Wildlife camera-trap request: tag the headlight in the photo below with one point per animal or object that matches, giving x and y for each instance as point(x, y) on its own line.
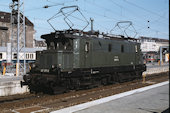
point(33, 65)
point(59, 65)
point(52, 66)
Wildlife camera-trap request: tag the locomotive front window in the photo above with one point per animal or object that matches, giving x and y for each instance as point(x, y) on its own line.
point(60, 43)
point(64, 45)
point(52, 45)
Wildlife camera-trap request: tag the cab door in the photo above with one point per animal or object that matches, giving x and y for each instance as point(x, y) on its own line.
point(87, 54)
point(137, 55)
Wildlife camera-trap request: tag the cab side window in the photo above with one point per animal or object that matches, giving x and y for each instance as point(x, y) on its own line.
point(122, 48)
point(87, 47)
point(110, 47)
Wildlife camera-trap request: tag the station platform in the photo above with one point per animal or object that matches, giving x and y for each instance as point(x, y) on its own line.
point(150, 99)
point(10, 85)
point(10, 78)
point(155, 65)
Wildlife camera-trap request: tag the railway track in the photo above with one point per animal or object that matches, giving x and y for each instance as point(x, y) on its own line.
point(54, 102)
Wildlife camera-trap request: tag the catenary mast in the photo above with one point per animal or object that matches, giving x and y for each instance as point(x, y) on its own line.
point(18, 35)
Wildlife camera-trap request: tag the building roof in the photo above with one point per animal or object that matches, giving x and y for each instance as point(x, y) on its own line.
point(40, 43)
point(27, 50)
point(156, 39)
point(5, 17)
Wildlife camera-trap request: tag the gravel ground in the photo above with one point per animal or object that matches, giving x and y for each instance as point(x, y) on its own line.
point(33, 102)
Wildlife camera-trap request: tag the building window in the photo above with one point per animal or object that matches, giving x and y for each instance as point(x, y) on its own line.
point(31, 56)
point(0, 55)
point(110, 47)
point(122, 48)
point(15, 56)
point(26, 56)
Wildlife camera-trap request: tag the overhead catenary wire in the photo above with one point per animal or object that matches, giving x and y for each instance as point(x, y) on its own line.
point(105, 15)
point(105, 9)
point(42, 7)
point(64, 2)
point(4, 4)
point(132, 12)
point(142, 27)
point(116, 20)
point(119, 14)
point(151, 12)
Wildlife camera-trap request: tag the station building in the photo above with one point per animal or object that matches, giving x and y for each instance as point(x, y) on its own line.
point(31, 44)
point(151, 48)
point(40, 44)
point(5, 30)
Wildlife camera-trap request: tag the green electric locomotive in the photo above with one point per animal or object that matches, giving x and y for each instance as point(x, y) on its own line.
point(75, 60)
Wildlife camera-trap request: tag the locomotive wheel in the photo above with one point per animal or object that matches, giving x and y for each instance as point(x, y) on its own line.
point(77, 86)
point(109, 79)
point(59, 90)
point(104, 81)
point(120, 77)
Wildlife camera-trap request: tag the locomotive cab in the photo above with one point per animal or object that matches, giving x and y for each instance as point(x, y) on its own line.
point(58, 56)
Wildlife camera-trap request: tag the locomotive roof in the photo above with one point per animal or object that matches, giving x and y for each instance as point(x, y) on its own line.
point(79, 34)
